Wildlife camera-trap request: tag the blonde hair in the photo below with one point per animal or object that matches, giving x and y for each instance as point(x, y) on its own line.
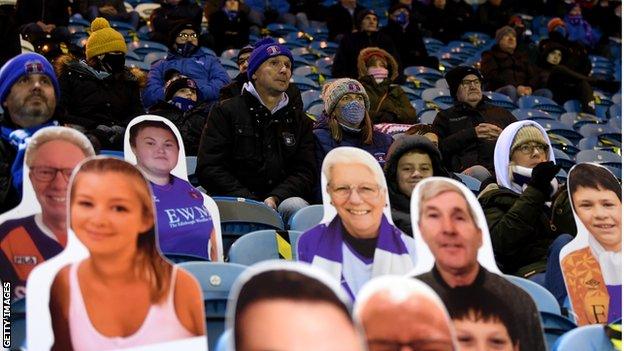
point(45, 135)
point(149, 264)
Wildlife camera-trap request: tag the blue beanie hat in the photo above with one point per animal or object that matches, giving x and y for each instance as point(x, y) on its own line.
point(27, 63)
point(264, 50)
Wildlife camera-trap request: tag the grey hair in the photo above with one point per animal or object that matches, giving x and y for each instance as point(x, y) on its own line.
point(45, 135)
point(352, 155)
point(436, 187)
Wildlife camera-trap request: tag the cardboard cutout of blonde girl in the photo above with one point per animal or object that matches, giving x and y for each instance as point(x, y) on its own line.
point(188, 220)
point(112, 214)
point(592, 263)
point(356, 240)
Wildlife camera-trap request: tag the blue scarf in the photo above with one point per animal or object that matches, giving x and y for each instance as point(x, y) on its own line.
point(19, 138)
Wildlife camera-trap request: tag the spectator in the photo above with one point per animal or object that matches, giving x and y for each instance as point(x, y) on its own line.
point(346, 122)
point(410, 159)
point(468, 130)
point(112, 10)
point(517, 209)
point(493, 14)
point(187, 58)
point(51, 155)
point(341, 19)
point(579, 30)
point(378, 71)
point(406, 35)
point(100, 94)
point(449, 226)
point(180, 107)
point(29, 93)
point(170, 13)
point(229, 27)
point(38, 18)
point(507, 70)
point(236, 87)
point(577, 58)
point(447, 21)
point(264, 12)
point(258, 145)
point(359, 243)
point(10, 34)
point(346, 59)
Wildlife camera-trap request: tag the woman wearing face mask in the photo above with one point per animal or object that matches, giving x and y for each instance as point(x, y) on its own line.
point(389, 103)
point(100, 94)
point(345, 121)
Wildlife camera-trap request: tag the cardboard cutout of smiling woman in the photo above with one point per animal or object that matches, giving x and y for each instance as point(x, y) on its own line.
point(592, 262)
point(36, 230)
point(111, 213)
point(456, 260)
point(356, 240)
point(284, 305)
point(188, 220)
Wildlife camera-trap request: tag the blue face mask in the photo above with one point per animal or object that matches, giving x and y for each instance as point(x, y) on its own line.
point(401, 18)
point(575, 19)
point(186, 49)
point(183, 104)
point(353, 112)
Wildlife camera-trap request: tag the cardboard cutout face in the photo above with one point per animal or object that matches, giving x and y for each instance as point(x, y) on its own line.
point(308, 306)
point(357, 228)
point(188, 220)
point(111, 214)
point(592, 262)
point(35, 230)
point(388, 301)
point(460, 242)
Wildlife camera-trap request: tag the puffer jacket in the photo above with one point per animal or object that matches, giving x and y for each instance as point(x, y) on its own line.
point(245, 151)
point(202, 67)
point(389, 103)
point(501, 68)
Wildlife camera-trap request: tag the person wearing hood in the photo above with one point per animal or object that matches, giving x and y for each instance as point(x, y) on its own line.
point(186, 57)
point(170, 13)
point(100, 94)
point(346, 121)
point(579, 30)
point(378, 70)
point(411, 158)
point(368, 35)
point(468, 130)
point(517, 208)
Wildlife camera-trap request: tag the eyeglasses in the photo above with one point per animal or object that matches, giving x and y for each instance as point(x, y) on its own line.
point(387, 345)
point(365, 191)
point(528, 149)
point(187, 35)
point(47, 174)
point(468, 82)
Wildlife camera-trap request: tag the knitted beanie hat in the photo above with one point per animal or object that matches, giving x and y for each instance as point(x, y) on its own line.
point(359, 17)
point(457, 74)
point(506, 30)
point(525, 135)
point(333, 91)
point(244, 50)
point(104, 39)
point(177, 83)
point(23, 64)
point(264, 50)
point(554, 23)
point(177, 28)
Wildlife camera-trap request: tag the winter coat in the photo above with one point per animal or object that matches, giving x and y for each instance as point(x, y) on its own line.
point(228, 33)
point(234, 89)
point(345, 61)
point(400, 203)
point(459, 144)
point(501, 68)
point(450, 23)
point(166, 17)
point(340, 22)
point(389, 103)
point(409, 43)
point(189, 123)
point(247, 152)
point(202, 67)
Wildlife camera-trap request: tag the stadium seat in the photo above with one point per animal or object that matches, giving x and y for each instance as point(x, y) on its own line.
point(500, 100)
point(241, 216)
point(540, 103)
point(615, 111)
point(544, 300)
point(132, 56)
point(304, 83)
point(428, 116)
point(79, 21)
point(476, 38)
point(310, 97)
point(576, 120)
point(18, 324)
point(561, 143)
point(527, 113)
point(264, 245)
point(281, 29)
point(312, 72)
point(230, 54)
point(441, 83)
point(432, 93)
point(572, 106)
point(563, 159)
point(145, 10)
point(216, 280)
point(324, 62)
point(617, 172)
point(144, 47)
point(306, 218)
point(223, 344)
point(120, 26)
point(588, 130)
point(600, 156)
point(112, 153)
point(229, 64)
point(316, 109)
point(585, 338)
point(326, 47)
point(471, 182)
point(154, 56)
point(423, 72)
point(554, 326)
point(138, 64)
point(411, 93)
point(176, 258)
point(555, 127)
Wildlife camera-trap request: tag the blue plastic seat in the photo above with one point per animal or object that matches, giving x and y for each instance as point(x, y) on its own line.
point(176, 257)
point(281, 29)
point(229, 64)
point(216, 280)
point(555, 127)
point(431, 94)
point(132, 56)
point(230, 54)
point(112, 153)
point(304, 53)
point(471, 183)
point(143, 47)
point(262, 245)
point(544, 300)
point(427, 73)
point(326, 47)
point(563, 159)
point(412, 93)
point(600, 156)
point(577, 120)
point(615, 111)
point(18, 324)
point(428, 116)
point(540, 103)
point(572, 106)
point(316, 109)
point(324, 62)
point(312, 72)
point(306, 218)
point(152, 57)
point(310, 97)
point(138, 64)
point(304, 83)
point(527, 113)
point(500, 100)
point(595, 129)
point(585, 338)
point(554, 326)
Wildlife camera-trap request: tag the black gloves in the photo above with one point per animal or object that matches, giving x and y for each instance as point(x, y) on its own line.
point(542, 175)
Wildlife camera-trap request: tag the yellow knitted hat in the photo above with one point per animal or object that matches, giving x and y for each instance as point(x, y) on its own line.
point(104, 39)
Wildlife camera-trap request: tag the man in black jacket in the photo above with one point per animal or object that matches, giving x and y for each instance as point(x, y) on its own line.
point(468, 130)
point(258, 145)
